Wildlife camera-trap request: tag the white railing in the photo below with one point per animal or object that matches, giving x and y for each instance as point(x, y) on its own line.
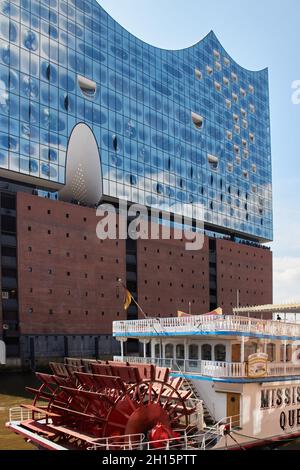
point(200, 441)
point(18, 414)
point(127, 442)
point(205, 324)
point(281, 368)
point(223, 369)
point(213, 368)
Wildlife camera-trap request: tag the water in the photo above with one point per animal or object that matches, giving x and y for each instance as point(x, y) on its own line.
point(12, 393)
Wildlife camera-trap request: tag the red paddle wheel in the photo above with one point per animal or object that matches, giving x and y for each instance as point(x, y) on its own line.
point(82, 402)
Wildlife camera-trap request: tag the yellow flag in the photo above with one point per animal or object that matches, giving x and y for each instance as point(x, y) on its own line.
point(127, 300)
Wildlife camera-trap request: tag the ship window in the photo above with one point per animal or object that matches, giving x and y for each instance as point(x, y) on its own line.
point(206, 352)
point(271, 348)
point(180, 354)
point(193, 355)
point(88, 87)
point(220, 353)
point(250, 348)
point(157, 350)
point(288, 352)
point(169, 351)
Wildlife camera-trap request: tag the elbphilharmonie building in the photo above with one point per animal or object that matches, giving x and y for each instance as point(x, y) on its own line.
point(90, 113)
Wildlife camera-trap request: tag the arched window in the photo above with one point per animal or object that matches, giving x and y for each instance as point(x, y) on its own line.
point(206, 352)
point(220, 353)
point(271, 350)
point(157, 350)
point(169, 351)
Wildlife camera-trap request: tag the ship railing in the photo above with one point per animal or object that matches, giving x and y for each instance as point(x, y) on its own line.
point(185, 440)
point(205, 368)
point(283, 368)
point(223, 369)
point(18, 414)
point(213, 368)
point(126, 442)
point(204, 323)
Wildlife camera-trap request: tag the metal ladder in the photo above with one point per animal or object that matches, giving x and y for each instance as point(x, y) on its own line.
point(188, 385)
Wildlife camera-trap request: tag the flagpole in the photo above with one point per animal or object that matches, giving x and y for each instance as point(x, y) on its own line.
point(133, 299)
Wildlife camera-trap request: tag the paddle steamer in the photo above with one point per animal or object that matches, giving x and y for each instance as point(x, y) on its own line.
point(201, 382)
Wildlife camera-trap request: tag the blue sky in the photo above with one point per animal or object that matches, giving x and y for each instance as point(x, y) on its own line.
point(257, 34)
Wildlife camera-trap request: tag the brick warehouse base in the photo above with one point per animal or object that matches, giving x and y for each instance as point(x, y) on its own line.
point(67, 289)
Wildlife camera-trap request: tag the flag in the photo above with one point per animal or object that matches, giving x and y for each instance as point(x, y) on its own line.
point(127, 299)
point(182, 314)
point(218, 311)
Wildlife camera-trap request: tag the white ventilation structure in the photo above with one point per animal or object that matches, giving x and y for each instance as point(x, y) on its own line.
point(83, 168)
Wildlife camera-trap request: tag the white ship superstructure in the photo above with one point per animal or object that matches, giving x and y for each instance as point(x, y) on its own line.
point(245, 370)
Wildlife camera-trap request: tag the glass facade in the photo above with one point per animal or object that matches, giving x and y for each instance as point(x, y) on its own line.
point(175, 129)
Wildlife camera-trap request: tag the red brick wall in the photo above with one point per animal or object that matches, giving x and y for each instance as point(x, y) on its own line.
point(169, 277)
point(88, 260)
point(246, 268)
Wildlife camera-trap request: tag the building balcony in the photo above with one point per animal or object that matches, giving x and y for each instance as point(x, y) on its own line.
point(206, 325)
point(214, 369)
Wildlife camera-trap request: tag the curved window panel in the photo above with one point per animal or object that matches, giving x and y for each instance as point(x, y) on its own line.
point(88, 87)
point(213, 162)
